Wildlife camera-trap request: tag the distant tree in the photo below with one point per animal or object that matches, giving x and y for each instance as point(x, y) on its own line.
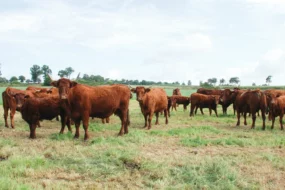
point(13, 79)
point(28, 81)
point(212, 81)
point(234, 80)
point(189, 83)
point(222, 81)
point(46, 71)
point(183, 83)
point(62, 73)
point(36, 72)
point(268, 79)
point(253, 84)
point(3, 80)
point(205, 84)
point(69, 71)
point(39, 81)
point(22, 78)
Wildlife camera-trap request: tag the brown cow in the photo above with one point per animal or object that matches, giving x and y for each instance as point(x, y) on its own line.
point(35, 109)
point(203, 101)
point(209, 91)
point(176, 91)
point(176, 99)
point(250, 102)
point(9, 103)
point(151, 101)
point(82, 102)
point(277, 108)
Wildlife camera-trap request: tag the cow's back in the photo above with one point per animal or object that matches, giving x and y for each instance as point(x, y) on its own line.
point(157, 97)
point(100, 101)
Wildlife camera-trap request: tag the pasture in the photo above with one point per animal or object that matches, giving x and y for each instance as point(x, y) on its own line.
point(202, 152)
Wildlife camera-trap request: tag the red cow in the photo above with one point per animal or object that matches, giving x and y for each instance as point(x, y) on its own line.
point(151, 101)
point(35, 109)
point(176, 99)
point(250, 102)
point(203, 101)
point(277, 108)
point(82, 101)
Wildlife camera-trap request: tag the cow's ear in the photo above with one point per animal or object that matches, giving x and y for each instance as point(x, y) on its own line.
point(133, 90)
point(147, 89)
point(27, 96)
point(54, 83)
point(73, 84)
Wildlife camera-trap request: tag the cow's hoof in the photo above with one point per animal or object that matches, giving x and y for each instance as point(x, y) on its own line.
point(76, 136)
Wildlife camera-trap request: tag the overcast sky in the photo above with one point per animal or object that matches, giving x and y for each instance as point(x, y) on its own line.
point(160, 40)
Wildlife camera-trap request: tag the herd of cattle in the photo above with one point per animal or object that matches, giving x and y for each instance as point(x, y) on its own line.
point(75, 102)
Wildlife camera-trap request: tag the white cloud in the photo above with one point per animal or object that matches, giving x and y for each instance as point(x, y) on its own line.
point(270, 2)
point(273, 55)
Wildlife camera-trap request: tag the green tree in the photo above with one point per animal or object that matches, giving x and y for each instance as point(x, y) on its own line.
point(62, 73)
point(253, 84)
point(3, 80)
point(13, 79)
point(46, 71)
point(212, 81)
point(189, 83)
point(69, 71)
point(222, 81)
point(268, 79)
point(36, 72)
point(22, 78)
point(234, 80)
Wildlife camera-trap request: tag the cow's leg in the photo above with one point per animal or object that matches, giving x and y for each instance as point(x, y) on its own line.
point(145, 120)
point(149, 119)
point(127, 123)
point(238, 118)
point(6, 116)
point(196, 108)
point(85, 122)
point(12, 113)
point(68, 123)
point(192, 110)
point(201, 110)
point(281, 120)
point(77, 125)
point(57, 119)
point(263, 119)
point(184, 107)
point(253, 113)
point(103, 120)
point(234, 108)
point(244, 117)
point(215, 110)
point(108, 120)
point(166, 116)
point(33, 130)
point(39, 124)
point(156, 122)
point(210, 111)
point(273, 121)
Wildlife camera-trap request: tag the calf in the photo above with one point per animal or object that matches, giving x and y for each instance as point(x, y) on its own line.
point(151, 101)
point(47, 108)
point(176, 99)
point(203, 101)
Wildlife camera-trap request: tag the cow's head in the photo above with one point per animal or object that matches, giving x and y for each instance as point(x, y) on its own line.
point(20, 99)
point(64, 85)
point(140, 92)
point(216, 99)
point(227, 95)
point(271, 101)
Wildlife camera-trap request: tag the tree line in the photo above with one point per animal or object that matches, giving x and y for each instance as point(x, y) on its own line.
point(37, 72)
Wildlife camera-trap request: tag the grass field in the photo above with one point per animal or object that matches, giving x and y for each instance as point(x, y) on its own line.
point(203, 152)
